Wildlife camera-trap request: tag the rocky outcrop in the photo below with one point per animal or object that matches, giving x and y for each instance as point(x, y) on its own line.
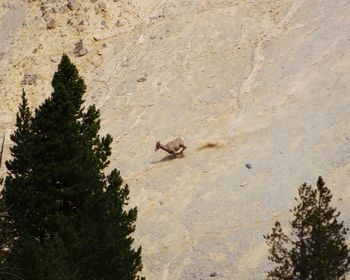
point(29, 79)
point(79, 49)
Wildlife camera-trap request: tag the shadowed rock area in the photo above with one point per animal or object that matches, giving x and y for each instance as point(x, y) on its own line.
point(260, 90)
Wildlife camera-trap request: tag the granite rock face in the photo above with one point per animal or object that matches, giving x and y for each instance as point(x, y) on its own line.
point(258, 83)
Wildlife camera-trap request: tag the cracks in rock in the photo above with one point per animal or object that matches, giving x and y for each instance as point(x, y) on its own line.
point(256, 65)
point(235, 123)
point(159, 10)
point(258, 52)
point(196, 9)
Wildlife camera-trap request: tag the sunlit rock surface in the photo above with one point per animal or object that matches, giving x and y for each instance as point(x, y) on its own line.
point(263, 84)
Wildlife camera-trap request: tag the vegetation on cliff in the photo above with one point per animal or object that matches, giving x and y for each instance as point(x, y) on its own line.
point(316, 247)
point(62, 217)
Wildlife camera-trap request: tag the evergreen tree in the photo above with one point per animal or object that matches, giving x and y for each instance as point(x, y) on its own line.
point(21, 138)
point(15, 180)
point(316, 248)
point(71, 223)
point(1, 154)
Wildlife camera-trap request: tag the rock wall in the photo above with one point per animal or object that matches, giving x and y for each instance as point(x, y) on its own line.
point(259, 90)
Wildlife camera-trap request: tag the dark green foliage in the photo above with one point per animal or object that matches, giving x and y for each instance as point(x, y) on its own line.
point(1, 154)
point(19, 166)
point(316, 248)
point(20, 138)
point(67, 216)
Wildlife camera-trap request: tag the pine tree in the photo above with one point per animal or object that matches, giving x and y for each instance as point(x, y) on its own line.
point(15, 181)
point(21, 138)
point(316, 248)
point(1, 155)
point(73, 224)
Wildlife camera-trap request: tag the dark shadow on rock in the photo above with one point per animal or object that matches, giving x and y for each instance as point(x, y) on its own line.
point(166, 158)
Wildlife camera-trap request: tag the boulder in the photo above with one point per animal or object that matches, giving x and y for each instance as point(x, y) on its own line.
point(73, 4)
point(79, 49)
point(29, 79)
point(102, 5)
point(51, 24)
point(121, 22)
